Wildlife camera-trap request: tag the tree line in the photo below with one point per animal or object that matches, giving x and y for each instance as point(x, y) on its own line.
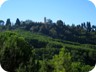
point(82, 33)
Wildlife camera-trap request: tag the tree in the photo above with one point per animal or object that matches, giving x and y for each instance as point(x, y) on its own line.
point(59, 22)
point(88, 26)
point(31, 66)
point(49, 21)
point(83, 25)
point(93, 28)
point(1, 22)
point(79, 67)
point(14, 50)
point(17, 22)
point(8, 24)
point(62, 62)
point(53, 32)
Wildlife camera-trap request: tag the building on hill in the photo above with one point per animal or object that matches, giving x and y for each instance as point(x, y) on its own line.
point(47, 21)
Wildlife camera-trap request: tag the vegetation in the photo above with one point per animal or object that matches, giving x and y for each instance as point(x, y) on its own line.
point(28, 46)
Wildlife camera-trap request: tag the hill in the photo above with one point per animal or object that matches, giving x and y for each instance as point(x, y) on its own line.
point(47, 47)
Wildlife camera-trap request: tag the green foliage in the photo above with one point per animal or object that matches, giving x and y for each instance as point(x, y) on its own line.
point(13, 50)
point(17, 22)
point(8, 24)
point(79, 67)
point(52, 47)
point(45, 66)
point(60, 23)
point(62, 62)
point(31, 66)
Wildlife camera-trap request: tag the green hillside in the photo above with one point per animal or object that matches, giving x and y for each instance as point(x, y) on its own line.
point(53, 47)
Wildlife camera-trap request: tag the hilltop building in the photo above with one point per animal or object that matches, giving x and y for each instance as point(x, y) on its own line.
point(47, 21)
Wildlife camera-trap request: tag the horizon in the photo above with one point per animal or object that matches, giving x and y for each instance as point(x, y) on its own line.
point(43, 21)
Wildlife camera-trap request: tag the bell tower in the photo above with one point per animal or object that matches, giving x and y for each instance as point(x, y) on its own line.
point(45, 20)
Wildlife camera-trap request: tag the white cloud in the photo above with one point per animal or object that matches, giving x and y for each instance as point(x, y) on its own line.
point(2, 2)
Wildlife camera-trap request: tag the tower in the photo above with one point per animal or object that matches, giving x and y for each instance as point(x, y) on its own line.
point(45, 20)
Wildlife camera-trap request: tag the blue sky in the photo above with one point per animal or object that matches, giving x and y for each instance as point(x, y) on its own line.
point(70, 11)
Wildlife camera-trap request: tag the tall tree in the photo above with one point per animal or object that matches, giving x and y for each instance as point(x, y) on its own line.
point(88, 26)
point(59, 22)
point(8, 24)
point(17, 22)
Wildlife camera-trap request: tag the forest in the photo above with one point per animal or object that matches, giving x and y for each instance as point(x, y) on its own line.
point(28, 46)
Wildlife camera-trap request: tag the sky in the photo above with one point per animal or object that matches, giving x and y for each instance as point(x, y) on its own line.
point(69, 11)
